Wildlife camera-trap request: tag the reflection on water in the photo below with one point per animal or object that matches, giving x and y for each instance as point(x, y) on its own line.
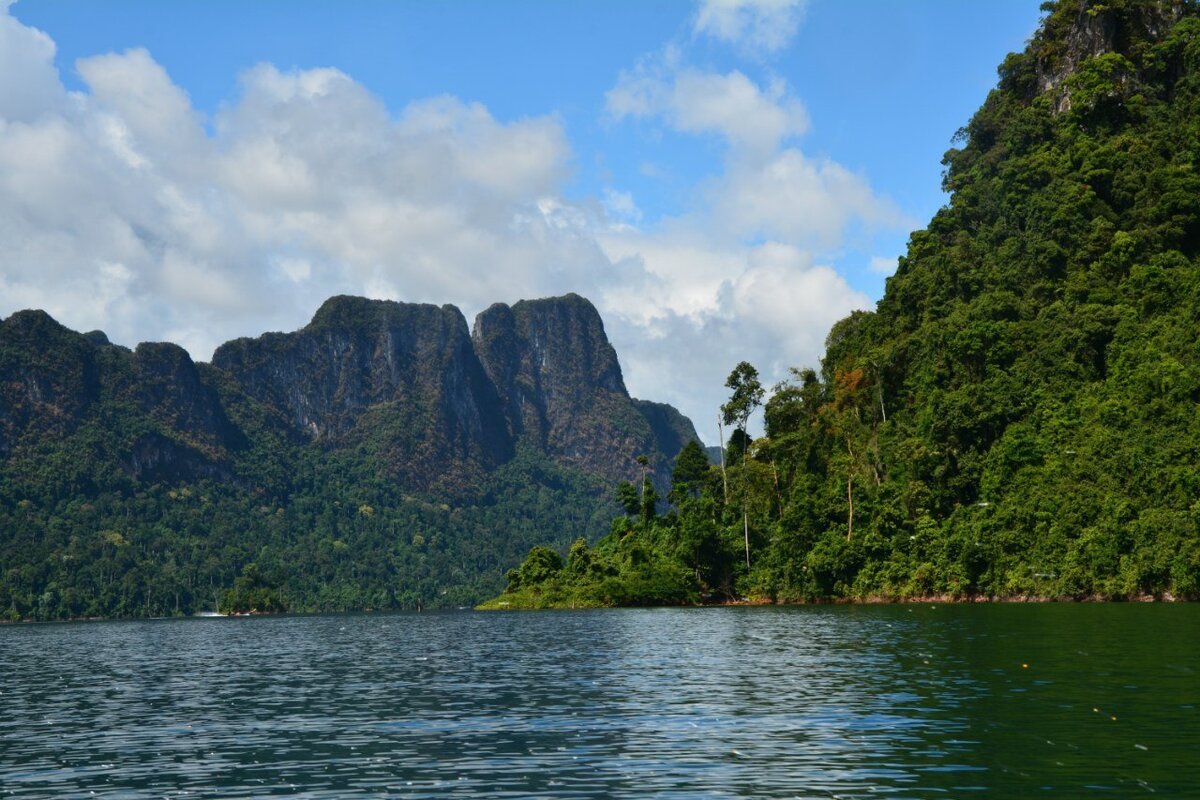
point(849, 702)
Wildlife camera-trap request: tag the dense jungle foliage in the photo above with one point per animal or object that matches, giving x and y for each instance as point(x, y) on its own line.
point(1019, 416)
point(302, 529)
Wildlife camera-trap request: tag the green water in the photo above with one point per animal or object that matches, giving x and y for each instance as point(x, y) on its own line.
point(851, 702)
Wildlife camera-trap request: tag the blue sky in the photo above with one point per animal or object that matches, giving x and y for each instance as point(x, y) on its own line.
point(722, 179)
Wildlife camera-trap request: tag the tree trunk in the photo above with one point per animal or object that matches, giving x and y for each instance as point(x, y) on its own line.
point(745, 487)
point(850, 498)
point(746, 530)
point(724, 478)
point(879, 389)
point(775, 475)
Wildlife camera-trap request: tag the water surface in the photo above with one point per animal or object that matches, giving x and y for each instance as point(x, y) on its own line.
point(817, 702)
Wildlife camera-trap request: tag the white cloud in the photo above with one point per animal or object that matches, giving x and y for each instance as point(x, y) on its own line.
point(796, 198)
point(747, 116)
point(134, 98)
point(124, 208)
point(794, 300)
point(118, 209)
point(689, 309)
point(737, 276)
point(755, 26)
point(29, 84)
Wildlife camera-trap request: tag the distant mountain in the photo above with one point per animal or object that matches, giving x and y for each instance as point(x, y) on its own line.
point(394, 403)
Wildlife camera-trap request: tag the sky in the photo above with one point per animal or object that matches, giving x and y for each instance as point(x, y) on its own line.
point(723, 179)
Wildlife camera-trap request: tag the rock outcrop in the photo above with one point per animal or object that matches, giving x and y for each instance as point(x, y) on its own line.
point(158, 417)
point(1095, 30)
point(403, 385)
point(400, 380)
point(560, 386)
point(48, 378)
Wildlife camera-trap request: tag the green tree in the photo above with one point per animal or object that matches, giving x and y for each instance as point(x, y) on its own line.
point(541, 565)
point(649, 501)
point(689, 473)
point(747, 396)
point(629, 499)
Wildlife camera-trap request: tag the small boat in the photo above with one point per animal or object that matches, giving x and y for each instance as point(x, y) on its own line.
point(209, 614)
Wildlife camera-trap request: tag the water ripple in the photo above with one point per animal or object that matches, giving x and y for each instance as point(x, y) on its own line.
point(812, 702)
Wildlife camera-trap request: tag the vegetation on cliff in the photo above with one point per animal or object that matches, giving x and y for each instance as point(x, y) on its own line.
point(364, 462)
point(1020, 416)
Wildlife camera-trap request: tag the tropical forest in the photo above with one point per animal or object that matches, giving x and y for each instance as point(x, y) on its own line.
point(1019, 418)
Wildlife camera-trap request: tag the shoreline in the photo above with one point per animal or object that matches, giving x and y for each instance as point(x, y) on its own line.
point(1165, 597)
point(873, 600)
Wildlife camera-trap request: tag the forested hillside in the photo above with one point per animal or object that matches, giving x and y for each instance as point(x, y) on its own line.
point(381, 457)
point(1019, 416)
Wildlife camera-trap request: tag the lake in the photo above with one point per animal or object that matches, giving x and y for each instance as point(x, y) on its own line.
point(902, 701)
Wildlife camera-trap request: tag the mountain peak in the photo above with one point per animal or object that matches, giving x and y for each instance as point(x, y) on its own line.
point(348, 311)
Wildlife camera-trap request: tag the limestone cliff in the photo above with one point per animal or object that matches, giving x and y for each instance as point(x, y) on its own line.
point(403, 388)
point(560, 386)
point(399, 380)
point(148, 410)
point(1066, 41)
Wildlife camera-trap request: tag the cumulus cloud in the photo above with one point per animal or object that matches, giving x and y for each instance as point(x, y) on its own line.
point(746, 115)
point(737, 276)
point(691, 308)
point(796, 198)
point(29, 84)
point(775, 313)
point(753, 25)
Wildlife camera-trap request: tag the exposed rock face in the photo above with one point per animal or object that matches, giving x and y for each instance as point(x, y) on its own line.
point(167, 385)
point(1100, 28)
point(54, 381)
point(560, 383)
point(399, 379)
point(430, 405)
point(671, 429)
point(48, 378)
point(561, 388)
point(439, 406)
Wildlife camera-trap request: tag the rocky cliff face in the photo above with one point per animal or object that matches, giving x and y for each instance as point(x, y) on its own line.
point(400, 380)
point(439, 407)
point(48, 378)
point(405, 385)
point(1095, 28)
point(160, 419)
point(560, 385)
point(671, 429)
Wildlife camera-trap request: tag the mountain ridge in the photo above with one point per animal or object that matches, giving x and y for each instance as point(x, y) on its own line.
point(550, 376)
point(364, 460)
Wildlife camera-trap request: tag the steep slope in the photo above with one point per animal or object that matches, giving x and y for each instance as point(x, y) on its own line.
point(561, 388)
point(671, 429)
point(399, 380)
point(1020, 416)
point(147, 413)
point(48, 379)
